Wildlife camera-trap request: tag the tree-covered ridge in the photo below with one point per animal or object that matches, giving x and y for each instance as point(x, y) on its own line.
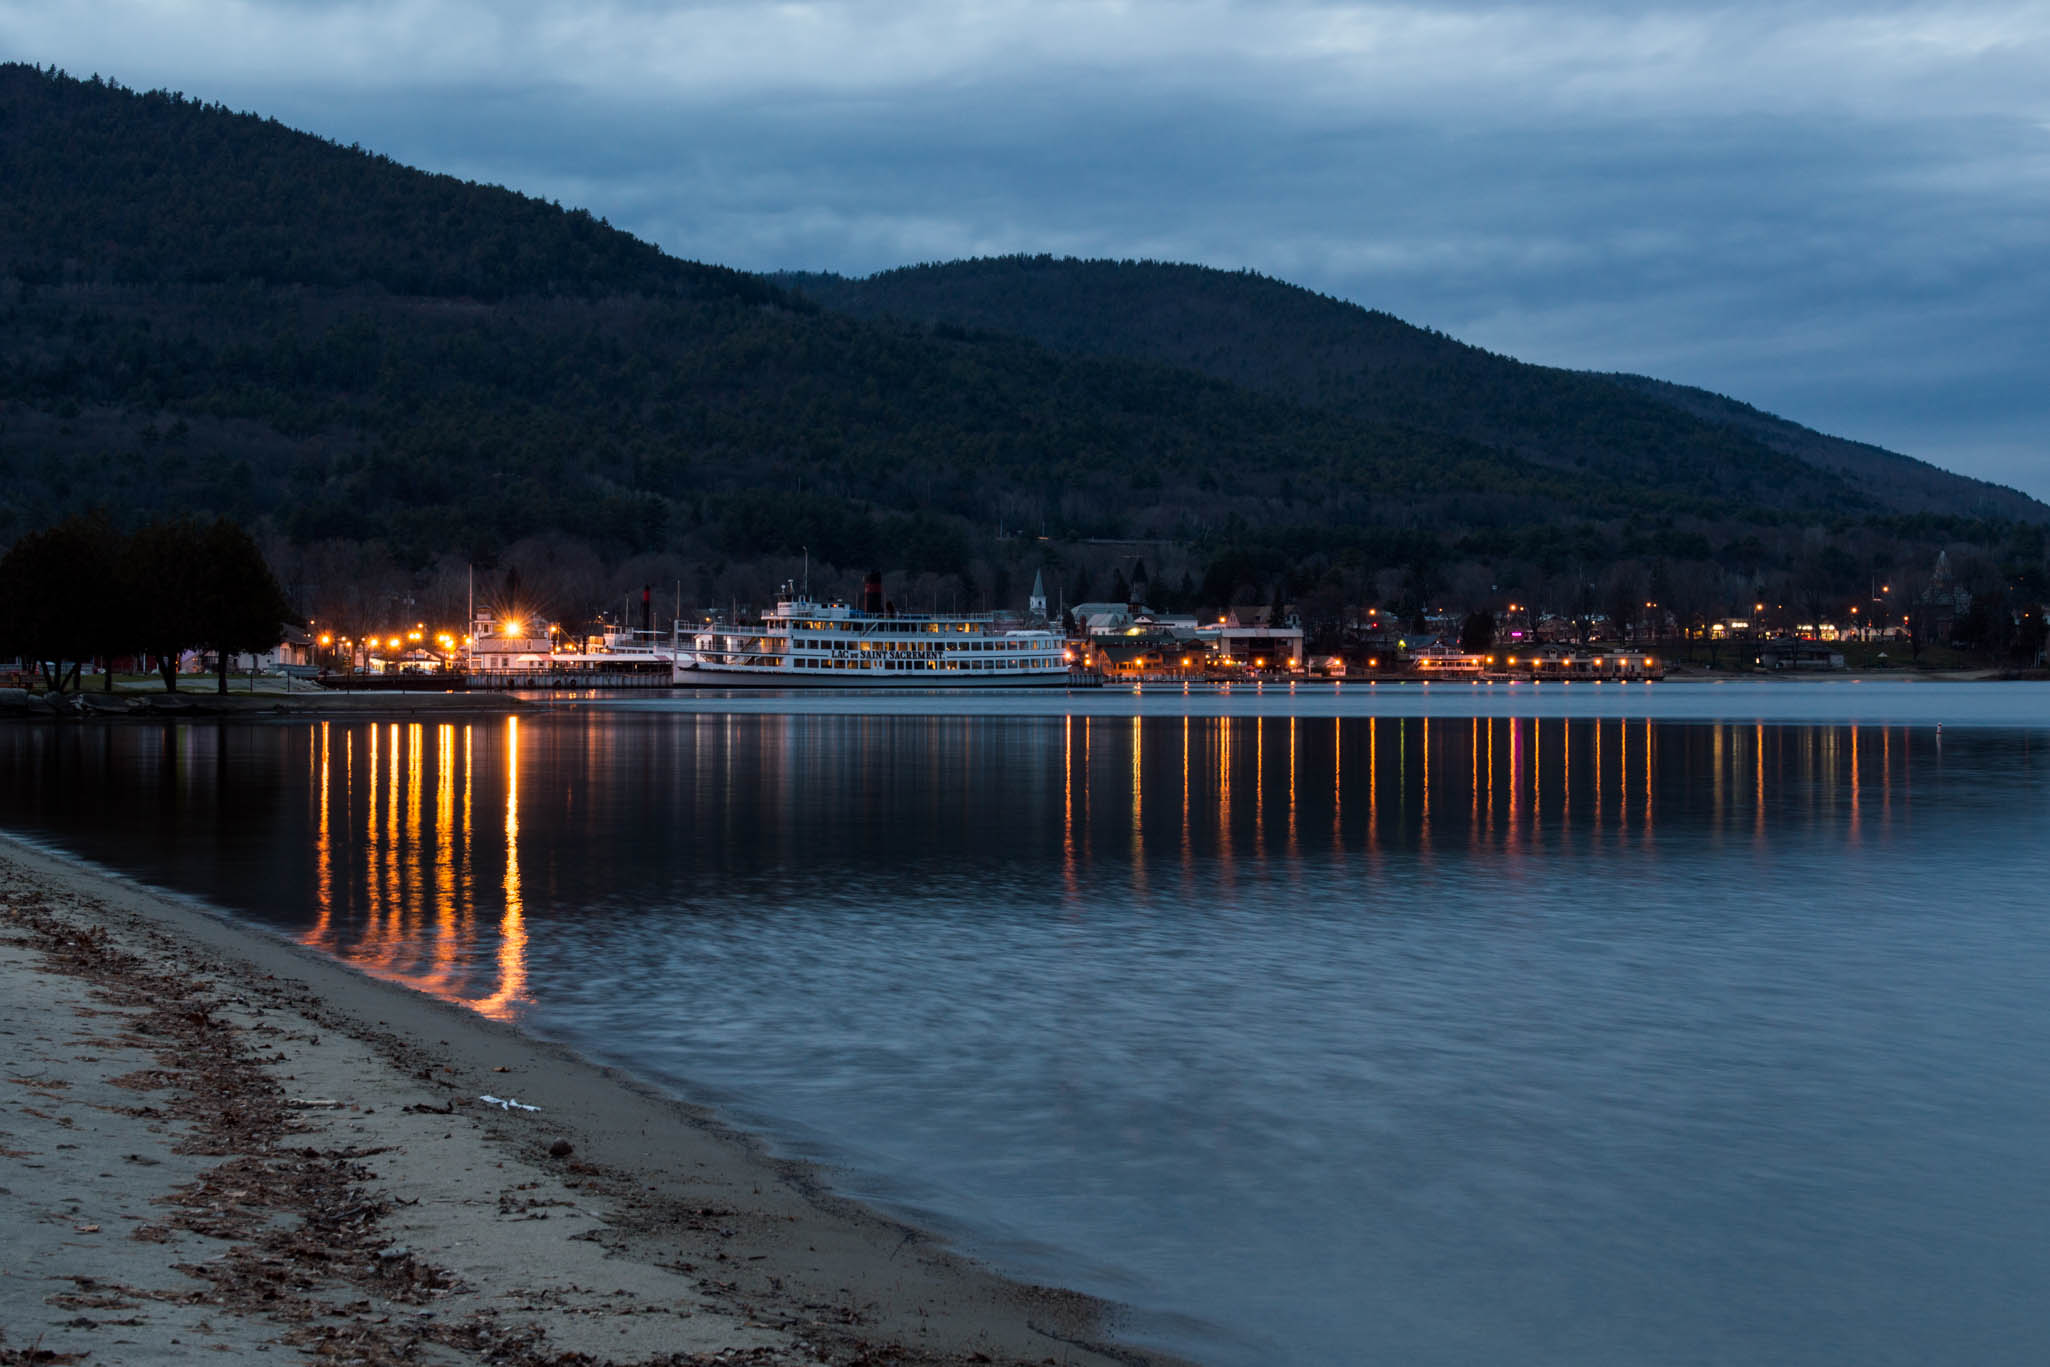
point(636, 419)
point(1910, 484)
point(205, 310)
point(1269, 336)
point(392, 377)
point(107, 185)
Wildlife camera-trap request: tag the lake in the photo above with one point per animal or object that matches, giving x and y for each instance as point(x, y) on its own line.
point(1685, 1023)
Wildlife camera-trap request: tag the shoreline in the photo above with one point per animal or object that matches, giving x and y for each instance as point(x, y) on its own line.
point(141, 706)
point(133, 705)
point(190, 1100)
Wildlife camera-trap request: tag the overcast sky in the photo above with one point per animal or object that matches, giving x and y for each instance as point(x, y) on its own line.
point(1838, 211)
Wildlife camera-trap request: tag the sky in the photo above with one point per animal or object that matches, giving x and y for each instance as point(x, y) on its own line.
point(1837, 211)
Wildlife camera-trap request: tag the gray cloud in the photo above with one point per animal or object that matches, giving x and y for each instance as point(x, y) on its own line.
point(1831, 210)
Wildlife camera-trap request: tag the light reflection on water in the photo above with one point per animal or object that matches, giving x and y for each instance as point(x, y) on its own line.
point(1426, 1038)
point(417, 919)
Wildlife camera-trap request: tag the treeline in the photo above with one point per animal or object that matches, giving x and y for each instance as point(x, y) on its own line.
point(1275, 338)
point(82, 591)
point(108, 185)
point(629, 420)
point(202, 310)
point(392, 378)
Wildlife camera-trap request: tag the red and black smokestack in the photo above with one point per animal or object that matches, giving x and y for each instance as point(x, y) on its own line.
point(647, 608)
point(872, 593)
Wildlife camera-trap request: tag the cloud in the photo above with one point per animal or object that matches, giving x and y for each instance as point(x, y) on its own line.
point(1830, 210)
point(1343, 59)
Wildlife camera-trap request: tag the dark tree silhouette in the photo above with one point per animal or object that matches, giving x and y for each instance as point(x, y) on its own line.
point(164, 561)
point(1477, 632)
point(59, 597)
point(236, 601)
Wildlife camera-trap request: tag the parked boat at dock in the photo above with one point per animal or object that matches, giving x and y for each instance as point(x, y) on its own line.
point(801, 643)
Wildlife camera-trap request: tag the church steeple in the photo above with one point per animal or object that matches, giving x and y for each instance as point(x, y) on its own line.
point(1035, 606)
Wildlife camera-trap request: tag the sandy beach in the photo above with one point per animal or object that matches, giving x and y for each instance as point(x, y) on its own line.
point(214, 1143)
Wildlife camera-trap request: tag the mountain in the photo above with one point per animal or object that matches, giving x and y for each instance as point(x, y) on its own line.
point(1901, 481)
point(1276, 338)
point(392, 375)
point(206, 308)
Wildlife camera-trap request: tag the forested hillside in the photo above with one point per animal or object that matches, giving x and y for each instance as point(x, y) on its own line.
point(206, 310)
point(1276, 338)
point(391, 376)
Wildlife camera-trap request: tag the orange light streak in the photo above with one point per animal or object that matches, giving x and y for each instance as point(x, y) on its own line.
point(512, 932)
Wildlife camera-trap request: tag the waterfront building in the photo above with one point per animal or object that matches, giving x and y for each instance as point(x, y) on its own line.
point(1248, 638)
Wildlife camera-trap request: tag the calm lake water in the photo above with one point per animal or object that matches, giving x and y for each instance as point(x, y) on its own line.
point(1676, 1024)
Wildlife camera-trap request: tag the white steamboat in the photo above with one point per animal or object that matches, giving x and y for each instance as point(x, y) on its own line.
point(805, 644)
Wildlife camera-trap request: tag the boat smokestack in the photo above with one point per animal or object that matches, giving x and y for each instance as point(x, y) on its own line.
point(647, 608)
point(872, 593)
